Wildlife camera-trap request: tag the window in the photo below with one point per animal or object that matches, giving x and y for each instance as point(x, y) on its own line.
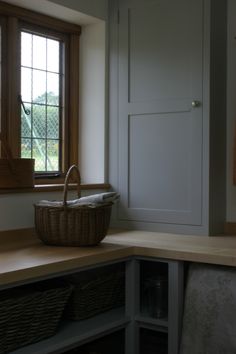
point(41, 97)
point(39, 86)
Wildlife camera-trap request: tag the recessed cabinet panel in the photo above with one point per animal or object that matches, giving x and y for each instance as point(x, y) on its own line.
point(162, 174)
point(161, 62)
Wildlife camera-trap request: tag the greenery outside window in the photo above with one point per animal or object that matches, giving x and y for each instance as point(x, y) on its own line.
point(40, 82)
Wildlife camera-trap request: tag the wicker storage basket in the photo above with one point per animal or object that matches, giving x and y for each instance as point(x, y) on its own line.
point(30, 313)
point(96, 295)
point(78, 226)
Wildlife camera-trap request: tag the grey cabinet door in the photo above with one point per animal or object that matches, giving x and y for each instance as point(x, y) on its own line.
point(160, 110)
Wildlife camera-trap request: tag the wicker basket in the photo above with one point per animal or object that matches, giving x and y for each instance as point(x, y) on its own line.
point(31, 313)
point(78, 226)
point(94, 296)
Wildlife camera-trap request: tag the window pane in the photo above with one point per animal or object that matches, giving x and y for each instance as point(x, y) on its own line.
point(26, 49)
point(52, 55)
point(40, 93)
point(39, 52)
point(39, 154)
point(52, 155)
point(53, 89)
point(39, 86)
point(26, 84)
point(26, 148)
point(39, 121)
point(52, 122)
point(26, 122)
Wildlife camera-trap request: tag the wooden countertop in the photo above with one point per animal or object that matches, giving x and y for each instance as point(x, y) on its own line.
point(214, 249)
point(23, 257)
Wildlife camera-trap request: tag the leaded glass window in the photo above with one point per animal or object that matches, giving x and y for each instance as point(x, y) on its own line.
point(41, 79)
point(39, 93)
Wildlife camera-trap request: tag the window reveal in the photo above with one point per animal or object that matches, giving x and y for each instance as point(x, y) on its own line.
point(40, 111)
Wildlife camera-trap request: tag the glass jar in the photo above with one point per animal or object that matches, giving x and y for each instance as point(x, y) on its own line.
point(156, 296)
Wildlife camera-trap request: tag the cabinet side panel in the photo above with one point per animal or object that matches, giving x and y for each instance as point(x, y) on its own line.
point(218, 116)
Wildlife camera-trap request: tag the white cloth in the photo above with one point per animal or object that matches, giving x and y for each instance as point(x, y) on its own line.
point(91, 201)
point(209, 321)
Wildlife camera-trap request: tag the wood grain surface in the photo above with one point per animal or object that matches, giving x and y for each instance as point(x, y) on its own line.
point(25, 258)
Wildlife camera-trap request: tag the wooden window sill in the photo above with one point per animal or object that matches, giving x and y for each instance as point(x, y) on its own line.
point(54, 187)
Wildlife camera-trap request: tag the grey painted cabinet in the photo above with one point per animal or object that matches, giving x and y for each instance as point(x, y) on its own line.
point(164, 86)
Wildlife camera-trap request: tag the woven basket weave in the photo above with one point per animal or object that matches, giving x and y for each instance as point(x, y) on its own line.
point(31, 313)
point(91, 297)
point(78, 226)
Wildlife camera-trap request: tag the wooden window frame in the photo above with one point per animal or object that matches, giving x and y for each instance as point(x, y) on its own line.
point(14, 20)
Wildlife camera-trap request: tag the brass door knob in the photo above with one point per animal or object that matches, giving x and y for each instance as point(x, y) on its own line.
point(196, 104)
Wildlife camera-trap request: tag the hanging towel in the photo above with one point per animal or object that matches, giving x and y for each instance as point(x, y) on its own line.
point(209, 323)
point(91, 201)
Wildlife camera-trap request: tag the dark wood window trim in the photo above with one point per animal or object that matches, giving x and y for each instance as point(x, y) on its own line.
point(12, 19)
point(3, 69)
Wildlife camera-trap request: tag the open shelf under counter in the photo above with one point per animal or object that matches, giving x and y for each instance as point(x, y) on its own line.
point(75, 333)
point(159, 322)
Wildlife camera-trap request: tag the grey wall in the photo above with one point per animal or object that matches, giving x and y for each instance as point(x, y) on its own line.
point(97, 8)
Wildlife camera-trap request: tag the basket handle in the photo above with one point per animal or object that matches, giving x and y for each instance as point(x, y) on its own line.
point(68, 175)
